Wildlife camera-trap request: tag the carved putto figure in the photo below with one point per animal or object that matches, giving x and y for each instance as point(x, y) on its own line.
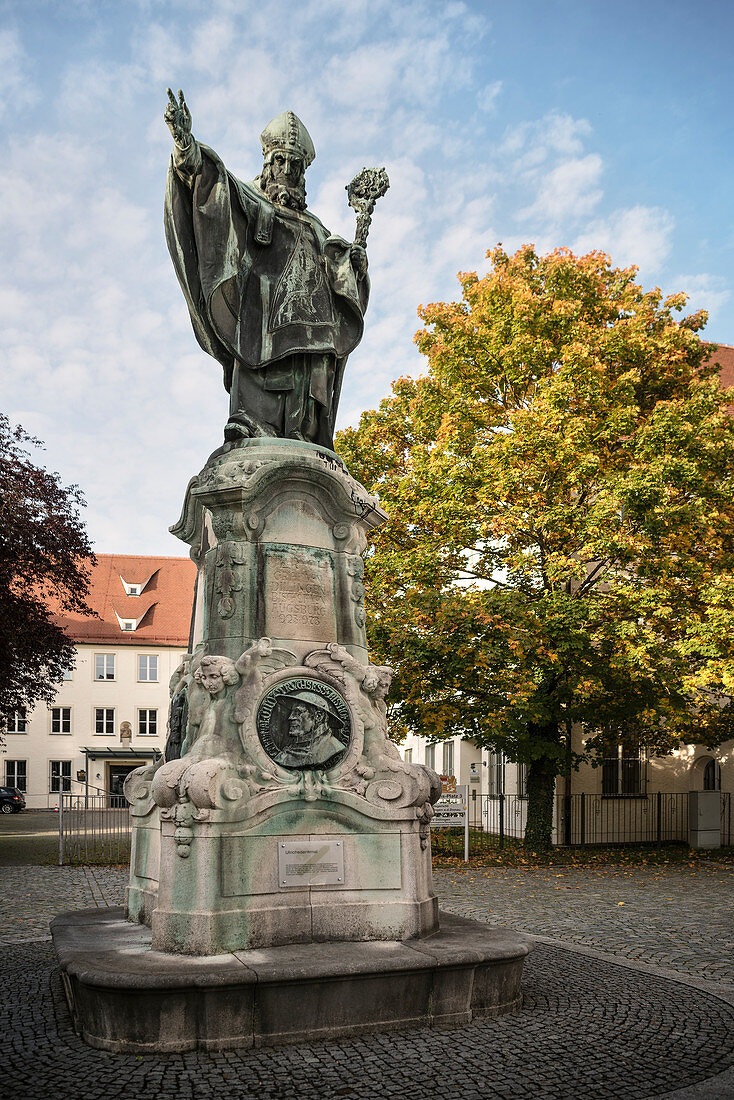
point(272, 295)
point(212, 730)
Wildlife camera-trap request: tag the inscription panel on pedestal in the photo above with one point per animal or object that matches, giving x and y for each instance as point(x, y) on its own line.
point(310, 863)
point(299, 594)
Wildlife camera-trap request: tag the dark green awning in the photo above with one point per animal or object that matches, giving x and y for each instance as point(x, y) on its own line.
point(122, 754)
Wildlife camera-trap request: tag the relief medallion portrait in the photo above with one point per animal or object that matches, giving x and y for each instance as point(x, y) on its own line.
point(304, 723)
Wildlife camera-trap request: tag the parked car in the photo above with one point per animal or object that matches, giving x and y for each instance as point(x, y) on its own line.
point(12, 801)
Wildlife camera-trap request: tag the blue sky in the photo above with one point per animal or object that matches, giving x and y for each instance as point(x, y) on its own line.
point(566, 122)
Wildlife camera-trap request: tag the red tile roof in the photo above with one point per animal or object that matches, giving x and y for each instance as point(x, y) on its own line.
point(725, 358)
point(162, 610)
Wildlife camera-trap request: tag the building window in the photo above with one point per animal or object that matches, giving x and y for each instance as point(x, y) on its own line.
point(431, 756)
point(60, 719)
point(104, 721)
point(67, 674)
point(712, 776)
point(621, 772)
point(104, 666)
point(15, 774)
point(132, 589)
point(148, 723)
point(16, 720)
point(408, 757)
point(496, 773)
point(60, 776)
point(522, 781)
point(148, 668)
point(448, 758)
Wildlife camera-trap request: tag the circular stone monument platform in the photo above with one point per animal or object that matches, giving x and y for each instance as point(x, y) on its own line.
point(125, 997)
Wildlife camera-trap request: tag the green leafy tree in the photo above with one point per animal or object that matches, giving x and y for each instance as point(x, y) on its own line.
point(560, 548)
point(45, 557)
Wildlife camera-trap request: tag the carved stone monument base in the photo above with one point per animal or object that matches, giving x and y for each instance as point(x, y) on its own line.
point(253, 887)
point(126, 997)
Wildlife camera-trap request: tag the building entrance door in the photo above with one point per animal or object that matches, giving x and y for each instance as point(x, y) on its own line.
point(118, 774)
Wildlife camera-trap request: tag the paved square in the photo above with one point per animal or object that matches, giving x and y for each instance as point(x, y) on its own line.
point(589, 1027)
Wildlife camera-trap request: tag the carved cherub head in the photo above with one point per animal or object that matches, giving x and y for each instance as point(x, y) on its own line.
point(377, 681)
point(215, 673)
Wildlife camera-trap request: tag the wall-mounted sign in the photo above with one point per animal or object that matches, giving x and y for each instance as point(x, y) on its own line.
point(310, 863)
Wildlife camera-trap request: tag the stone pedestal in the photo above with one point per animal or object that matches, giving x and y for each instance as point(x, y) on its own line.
point(280, 880)
point(126, 997)
point(289, 817)
point(704, 819)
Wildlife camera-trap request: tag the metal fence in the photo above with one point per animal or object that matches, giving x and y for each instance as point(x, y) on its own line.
point(655, 818)
point(726, 833)
point(580, 819)
point(94, 827)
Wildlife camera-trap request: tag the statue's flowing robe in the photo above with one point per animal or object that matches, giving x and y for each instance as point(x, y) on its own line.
point(272, 296)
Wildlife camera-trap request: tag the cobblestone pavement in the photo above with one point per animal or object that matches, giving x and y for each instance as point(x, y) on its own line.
point(589, 1028)
point(31, 896)
point(681, 919)
point(677, 918)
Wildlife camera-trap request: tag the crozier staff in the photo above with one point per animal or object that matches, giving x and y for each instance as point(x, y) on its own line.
point(272, 295)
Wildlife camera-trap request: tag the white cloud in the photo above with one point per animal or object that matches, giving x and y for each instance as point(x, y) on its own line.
point(487, 97)
point(569, 191)
point(17, 89)
point(554, 133)
point(640, 235)
point(709, 292)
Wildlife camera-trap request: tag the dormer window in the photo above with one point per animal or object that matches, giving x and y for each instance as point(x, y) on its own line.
point(128, 624)
point(134, 588)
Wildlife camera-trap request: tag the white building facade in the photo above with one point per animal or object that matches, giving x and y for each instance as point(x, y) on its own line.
point(110, 713)
point(630, 797)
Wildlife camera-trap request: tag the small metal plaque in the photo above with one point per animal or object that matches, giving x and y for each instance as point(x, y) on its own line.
point(304, 724)
point(310, 863)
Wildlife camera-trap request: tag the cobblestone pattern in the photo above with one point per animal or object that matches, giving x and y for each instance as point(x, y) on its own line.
point(680, 918)
point(31, 896)
point(677, 918)
point(587, 1029)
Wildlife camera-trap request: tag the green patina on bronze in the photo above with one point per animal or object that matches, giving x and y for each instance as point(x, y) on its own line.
point(272, 295)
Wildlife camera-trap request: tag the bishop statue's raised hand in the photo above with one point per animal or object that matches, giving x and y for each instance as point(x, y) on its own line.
point(178, 119)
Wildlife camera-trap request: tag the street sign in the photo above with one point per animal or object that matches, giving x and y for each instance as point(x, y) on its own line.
point(448, 814)
point(451, 812)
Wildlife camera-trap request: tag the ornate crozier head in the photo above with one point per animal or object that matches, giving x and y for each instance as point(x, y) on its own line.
point(288, 151)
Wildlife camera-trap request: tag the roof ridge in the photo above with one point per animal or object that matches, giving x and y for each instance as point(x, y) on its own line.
point(148, 557)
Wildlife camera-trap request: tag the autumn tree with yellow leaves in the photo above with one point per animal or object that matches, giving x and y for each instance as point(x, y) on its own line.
point(560, 549)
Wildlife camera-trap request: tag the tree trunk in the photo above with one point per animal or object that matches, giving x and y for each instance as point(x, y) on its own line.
point(541, 789)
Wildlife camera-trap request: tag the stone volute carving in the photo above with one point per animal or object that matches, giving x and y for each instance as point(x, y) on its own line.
point(225, 769)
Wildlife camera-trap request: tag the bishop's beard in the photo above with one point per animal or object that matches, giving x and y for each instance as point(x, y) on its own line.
point(290, 195)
